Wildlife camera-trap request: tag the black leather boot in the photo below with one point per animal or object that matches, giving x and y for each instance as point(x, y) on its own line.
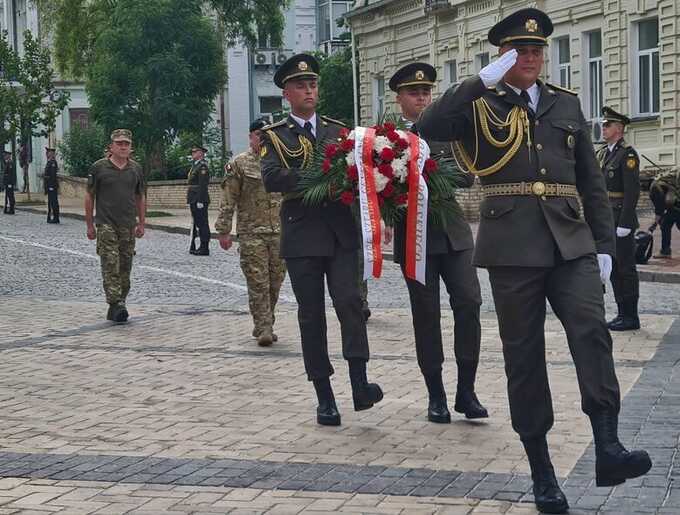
point(613, 463)
point(629, 320)
point(364, 394)
point(548, 496)
point(466, 398)
point(326, 412)
point(203, 250)
point(437, 410)
point(619, 317)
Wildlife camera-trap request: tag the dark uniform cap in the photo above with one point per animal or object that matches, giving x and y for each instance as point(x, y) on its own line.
point(257, 125)
point(198, 146)
point(300, 66)
point(414, 74)
point(122, 135)
point(609, 115)
point(523, 27)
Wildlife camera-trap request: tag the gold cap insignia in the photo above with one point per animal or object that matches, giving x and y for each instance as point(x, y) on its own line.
point(571, 141)
point(420, 75)
point(302, 66)
point(531, 25)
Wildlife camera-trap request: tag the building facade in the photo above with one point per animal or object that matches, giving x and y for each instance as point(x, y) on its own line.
point(627, 58)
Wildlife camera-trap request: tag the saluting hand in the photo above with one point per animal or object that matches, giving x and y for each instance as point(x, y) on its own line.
point(493, 72)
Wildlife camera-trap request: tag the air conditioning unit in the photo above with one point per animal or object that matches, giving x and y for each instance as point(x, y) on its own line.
point(271, 57)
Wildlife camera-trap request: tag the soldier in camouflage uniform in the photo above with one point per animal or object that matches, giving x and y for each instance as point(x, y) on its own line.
point(116, 185)
point(259, 229)
point(198, 199)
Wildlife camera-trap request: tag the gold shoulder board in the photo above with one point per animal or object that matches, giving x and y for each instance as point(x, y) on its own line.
point(560, 88)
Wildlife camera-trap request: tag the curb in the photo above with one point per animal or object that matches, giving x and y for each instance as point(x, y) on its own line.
point(644, 275)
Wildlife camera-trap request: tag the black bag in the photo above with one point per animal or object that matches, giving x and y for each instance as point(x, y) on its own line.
point(644, 244)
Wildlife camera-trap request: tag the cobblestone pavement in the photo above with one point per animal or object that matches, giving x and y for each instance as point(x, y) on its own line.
point(180, 412)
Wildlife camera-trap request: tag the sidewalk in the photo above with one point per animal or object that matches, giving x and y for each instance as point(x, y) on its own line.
point(657, 270)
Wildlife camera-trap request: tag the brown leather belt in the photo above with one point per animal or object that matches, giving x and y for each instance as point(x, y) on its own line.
point(539, 189)
point(615, 194)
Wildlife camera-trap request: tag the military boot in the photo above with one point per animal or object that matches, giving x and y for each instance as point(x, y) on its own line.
point(613, 463)
point(619, 317)
point(437, 409)
point(203, 250)
point(466, 398)
point(265, 338)
point(109, 313)
point(120, 313)
point(548, 496)
point(364, 394)
point(629, 320)
point(327, 413)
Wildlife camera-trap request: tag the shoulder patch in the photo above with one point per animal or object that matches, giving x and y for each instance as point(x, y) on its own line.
point(631, 161)
point(273, 125)
point(332, 120)
point(560, 88)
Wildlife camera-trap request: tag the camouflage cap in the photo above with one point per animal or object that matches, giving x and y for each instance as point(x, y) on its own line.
point(50, 149)
point(122, 135)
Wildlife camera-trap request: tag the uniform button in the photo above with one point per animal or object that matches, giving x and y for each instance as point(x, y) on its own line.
point(542, 197)
point(492, 212)
point(543, 171)
point(538, 123)
point(539, 146)
point(290, 218)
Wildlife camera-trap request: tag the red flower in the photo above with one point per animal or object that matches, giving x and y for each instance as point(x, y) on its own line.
point(331, 150)
point(430, 166)
point(344, 132)
point(353, 173)
point(401, 144)
point(401, 199)
point(379, 130)
point(347, 145)
point(389, 126)
point(386, 170)
point(387, 155)
point(393, 136)
point(381, 201)
point(347, 197)
point(326, 165)
point(388, 190)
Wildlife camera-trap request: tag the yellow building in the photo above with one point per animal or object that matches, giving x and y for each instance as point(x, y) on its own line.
point(621, 53)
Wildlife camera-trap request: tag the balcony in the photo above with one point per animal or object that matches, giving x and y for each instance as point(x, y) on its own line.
point(436, 5)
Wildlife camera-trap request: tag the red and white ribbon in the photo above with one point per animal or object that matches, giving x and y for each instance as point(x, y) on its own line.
point(416, 214)
point(368, 201)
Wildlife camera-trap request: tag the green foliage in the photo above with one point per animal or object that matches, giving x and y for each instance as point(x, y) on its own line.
point(29, 102)
point(335, 86)
point(81, 147)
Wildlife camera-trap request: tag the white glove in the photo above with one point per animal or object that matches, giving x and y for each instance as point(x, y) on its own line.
point(493, 72)
point(622, 232)
point(199, 205)
point(605, 263)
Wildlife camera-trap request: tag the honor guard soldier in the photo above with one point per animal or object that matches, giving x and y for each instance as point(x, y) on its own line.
point(318, 243)
point(51, 183)
point(198, 199)
point(259, 233)
point(621, 168)
point(115, 208)
point(530, 144)
point(449, 257)
point(9, 181)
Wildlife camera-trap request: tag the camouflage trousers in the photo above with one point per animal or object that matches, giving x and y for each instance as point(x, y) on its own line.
point(264, 271)
point(116, 248)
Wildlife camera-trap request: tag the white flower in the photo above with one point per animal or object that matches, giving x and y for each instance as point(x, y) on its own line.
point(351, 134)
point(380, 143)
point(349, 158)
point(400, 167)
point(380, 180)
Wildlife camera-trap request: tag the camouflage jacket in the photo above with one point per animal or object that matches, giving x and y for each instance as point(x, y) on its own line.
point(243, 192)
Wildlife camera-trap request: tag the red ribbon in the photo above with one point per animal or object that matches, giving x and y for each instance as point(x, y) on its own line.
point(372, 199)
point(412, 208)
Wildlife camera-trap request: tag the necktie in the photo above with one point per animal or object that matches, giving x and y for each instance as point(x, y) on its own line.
point(525, 96)
point(309, 128)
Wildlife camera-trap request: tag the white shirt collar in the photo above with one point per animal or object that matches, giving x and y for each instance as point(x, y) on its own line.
point(534, 94)
point(301, 122)
point(611, 146)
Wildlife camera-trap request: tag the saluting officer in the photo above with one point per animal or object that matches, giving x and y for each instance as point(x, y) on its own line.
point(449, 257)
point(9, 181)
point(621, 168)
point(529, 143)
point(198, 199)
point(318, 242)
point(52, 186)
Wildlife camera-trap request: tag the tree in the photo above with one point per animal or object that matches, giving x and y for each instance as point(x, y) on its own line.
point(156, 68)
point(29, 101)
point(77, 24)
point(335, 86)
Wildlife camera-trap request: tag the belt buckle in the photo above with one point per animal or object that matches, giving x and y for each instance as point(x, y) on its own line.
point(538, 188)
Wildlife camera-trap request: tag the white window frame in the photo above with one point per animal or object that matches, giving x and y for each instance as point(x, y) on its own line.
point(481, 60)
point(378, 104)
point(451, 73)
point(559, 67)
point(637, 72)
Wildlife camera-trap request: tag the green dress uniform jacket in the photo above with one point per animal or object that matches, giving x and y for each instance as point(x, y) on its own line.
point(621, 169)
point(198, 180)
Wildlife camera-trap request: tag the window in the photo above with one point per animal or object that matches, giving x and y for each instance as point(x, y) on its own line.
point(79, 117)
point(327, 13)
point(648, 67)
point(562, 59)
point(378, 98)
point(451, 70)
point(481, 60)
point(270, 105)
point(594, 74)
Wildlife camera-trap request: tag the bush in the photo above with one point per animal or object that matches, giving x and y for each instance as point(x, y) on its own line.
point(81, 147)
